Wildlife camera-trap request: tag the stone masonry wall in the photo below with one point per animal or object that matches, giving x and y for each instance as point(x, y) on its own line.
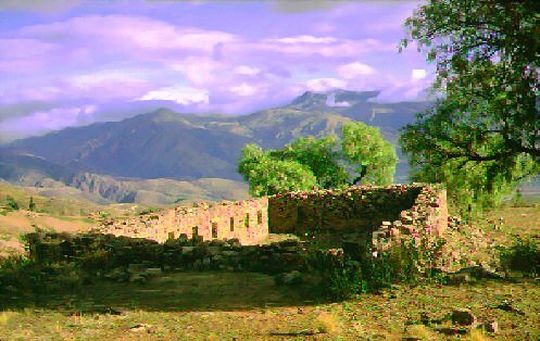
point(426, 219)
point(246, 221)
point(356, 214)
point(357, 208)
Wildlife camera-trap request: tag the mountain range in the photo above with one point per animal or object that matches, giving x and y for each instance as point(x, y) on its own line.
point(164, 156)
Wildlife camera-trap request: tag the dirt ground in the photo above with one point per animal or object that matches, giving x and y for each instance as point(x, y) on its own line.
point(16, 223)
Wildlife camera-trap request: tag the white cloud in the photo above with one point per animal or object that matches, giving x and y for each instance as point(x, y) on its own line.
point(244, 89)
point(302, 39)
point(418, 74)
point(122, 31)
point(200, 71)
point(70, 61)
point(53, 119)
point(179, 94)
point(246, 70)
point(336, 48)
point(324, 84)
point(92, 79)
point(331, 102)
point(353, 70)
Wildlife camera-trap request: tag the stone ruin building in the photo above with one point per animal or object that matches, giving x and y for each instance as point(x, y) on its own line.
point(379, 214)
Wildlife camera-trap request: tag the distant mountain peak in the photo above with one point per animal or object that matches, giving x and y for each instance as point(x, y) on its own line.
point(169, 144)
point(354, 96)
point(333, 98)
point(310, 98)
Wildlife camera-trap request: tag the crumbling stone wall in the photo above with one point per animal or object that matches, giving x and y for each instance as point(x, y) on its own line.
point(382, 215)
point(118, 253)
point(360, 216)
point(412, 216)
point(357, 208)
point(426, 219)
point(246, 221)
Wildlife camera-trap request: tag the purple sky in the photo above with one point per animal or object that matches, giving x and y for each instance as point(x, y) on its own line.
point(65, 63)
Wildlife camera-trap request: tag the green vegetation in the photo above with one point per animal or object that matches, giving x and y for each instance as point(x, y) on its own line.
point(320, 156)
point(365, 148)
point(523, 256)
point(482, 138)
point(310, 162)
point(247, 306)
point(31, 204)
point(412, 262)
point(267, 175)
point(10, 203)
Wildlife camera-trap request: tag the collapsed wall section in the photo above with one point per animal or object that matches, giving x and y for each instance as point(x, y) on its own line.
point(246, 221)
point(424, 221)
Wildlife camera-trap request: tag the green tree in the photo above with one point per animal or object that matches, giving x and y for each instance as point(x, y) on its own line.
point(482, 137)
point(31, 204)
point(310, 162)
point(366, 150)
point(267, 175)
point(320, 155)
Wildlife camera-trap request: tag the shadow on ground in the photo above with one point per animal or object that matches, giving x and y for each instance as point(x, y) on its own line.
point(177, 291)
point(106, 273)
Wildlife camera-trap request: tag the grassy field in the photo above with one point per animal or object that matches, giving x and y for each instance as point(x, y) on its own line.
point(226, 306)
point(250, 306)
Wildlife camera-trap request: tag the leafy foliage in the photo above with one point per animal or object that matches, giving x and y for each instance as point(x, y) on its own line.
point(11, 204)
point(364, 146)
point(483, 136)
point(320, 156)
point(267, 175)
point(523, 255)
point(344, 275)
point(325, 162)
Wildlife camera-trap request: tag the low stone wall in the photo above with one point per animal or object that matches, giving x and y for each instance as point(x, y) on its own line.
point(246, 221)
point(113, 257)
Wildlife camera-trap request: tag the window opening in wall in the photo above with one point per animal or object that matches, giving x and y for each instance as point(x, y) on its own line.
point(231, 223)
point(194, 231)
point(246, 220)
point(214, 230)
point(259, 217)
point(170, 235)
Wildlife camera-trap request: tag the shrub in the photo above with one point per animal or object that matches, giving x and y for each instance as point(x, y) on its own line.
point(21, 276)
point(11, 203)
point(522, 256)
point(343, 275)
point(340, 277)
point(31, 204)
